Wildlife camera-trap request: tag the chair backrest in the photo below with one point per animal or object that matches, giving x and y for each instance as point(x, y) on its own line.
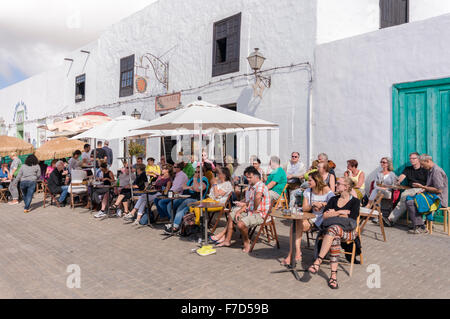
point(78, 176)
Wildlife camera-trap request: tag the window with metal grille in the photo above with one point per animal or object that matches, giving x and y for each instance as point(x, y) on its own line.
point(226, 45)
point(393, 12)
point(80, 88)
point(126, 76)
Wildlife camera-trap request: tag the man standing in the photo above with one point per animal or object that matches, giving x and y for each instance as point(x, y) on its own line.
point(14, 169)
point(413, 174)
point(101, 154)
point(254, 215)
point(437, 183)
point(57, 183)
point(277, 180)
point(109, 153)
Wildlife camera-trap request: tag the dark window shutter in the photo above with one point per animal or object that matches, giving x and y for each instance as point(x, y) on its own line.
point(227, 38)
point(393, 12)
point(126, 76)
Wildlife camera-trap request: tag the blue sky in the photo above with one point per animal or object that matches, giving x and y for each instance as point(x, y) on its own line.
point(36, 35)
point(15, 76)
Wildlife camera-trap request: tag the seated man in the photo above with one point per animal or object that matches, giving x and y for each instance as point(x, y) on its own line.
point(251, 213)
point(412, 174)
point(295, 169)
point(277, 179)
point(152, 170)
point(437, 183)
point(57, 183)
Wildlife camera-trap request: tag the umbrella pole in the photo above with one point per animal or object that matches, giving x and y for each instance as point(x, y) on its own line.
point(95, 157)
point(205, 215)
point(130, 169)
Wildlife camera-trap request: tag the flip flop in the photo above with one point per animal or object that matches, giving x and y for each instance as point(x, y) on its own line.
point(212, 240)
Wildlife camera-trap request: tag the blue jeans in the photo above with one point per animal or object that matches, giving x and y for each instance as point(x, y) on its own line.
point(28, 188)
point(181, 211)
point(65, 191)
point(164, 206)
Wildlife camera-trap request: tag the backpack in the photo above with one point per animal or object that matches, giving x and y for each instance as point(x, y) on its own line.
point(188, 226)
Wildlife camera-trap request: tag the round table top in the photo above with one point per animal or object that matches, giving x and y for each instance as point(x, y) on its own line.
point(148, 191)
point(278, 213)
point(174, 197)
point(206, 205)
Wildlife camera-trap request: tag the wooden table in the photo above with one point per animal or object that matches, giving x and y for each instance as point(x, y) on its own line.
point(305, 216)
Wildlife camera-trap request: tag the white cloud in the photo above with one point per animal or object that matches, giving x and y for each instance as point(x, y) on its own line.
point(35, 35)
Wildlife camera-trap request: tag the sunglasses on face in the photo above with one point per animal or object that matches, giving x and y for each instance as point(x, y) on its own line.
point(383, 162)
point(293, 156)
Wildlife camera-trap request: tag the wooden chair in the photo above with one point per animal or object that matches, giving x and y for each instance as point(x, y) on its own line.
point(352, 242)
point(39, 186)
point(77, 188)
point(269, 227)
point(375, 211)
point(225, 210)
point(3, 195)
point(47, 193)
point(282, 201)
point(446, 212)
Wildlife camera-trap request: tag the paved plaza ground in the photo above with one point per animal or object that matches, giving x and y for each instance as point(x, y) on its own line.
point(119, 260)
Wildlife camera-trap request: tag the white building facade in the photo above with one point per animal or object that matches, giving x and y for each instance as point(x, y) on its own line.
point(327, 94)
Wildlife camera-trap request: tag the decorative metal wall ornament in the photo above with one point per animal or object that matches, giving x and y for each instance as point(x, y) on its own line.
point(141, 84)
point(160, 68)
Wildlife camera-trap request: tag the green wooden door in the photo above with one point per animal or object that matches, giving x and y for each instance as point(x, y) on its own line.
point(421, 119)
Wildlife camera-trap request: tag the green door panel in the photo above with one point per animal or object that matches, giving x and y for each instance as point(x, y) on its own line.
point(421, 120)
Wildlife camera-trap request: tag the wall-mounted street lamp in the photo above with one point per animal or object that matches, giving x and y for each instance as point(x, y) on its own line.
point(256, 61)
point(136, 114)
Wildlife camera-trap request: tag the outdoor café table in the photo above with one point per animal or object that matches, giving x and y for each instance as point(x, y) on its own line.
point(305, 216)
point(172, 199)
point(101, 186)
point(146, 193)
point(203, 206)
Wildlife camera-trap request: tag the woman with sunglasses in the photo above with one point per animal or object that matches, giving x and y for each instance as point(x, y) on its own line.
point(344, 206)
point(193, 188)
point(385, 176)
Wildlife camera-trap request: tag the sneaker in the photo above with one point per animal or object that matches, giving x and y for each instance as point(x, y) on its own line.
point(168, 227)
point(171, 230)
point(418, 231)
point(128, 216)
point(119, 213)
point(387, 222)
point(100, 214)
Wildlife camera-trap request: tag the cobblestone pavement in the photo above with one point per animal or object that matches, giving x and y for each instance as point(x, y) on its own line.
point(120, 260)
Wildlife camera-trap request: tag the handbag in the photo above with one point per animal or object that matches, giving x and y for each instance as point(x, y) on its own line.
point(347, 224)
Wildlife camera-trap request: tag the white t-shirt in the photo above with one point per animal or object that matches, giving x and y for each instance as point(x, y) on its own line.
point(87, 157)
point(226, 187)
point(311, 197)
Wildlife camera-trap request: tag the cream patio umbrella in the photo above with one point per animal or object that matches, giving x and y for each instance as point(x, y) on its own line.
point(201, 115)
point(58, 148)
point(115, 129)
point(9, 144)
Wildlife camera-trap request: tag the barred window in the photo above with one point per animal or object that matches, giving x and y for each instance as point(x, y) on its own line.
point(126, 76)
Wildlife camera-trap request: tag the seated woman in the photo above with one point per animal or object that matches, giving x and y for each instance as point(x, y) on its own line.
point(193, 188)
point(207, 172)
point(328, 178)
point(315, 199)
point(125, 193)
point(49, 170)
point(220, 190)
point(358, 178)
point(108, 180)
point(386, 177)
point(152, 170)
point(295, 196)
point(4, 175)
point(345, 206)
point(162, 184)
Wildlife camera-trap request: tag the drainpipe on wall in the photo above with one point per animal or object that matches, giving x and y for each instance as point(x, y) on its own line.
point(310, 116)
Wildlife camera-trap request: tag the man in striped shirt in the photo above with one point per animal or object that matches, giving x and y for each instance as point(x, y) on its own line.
point(249, 214)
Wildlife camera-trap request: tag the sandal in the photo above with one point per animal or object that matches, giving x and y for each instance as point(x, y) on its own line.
point(333, 281)
point(315, 266)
